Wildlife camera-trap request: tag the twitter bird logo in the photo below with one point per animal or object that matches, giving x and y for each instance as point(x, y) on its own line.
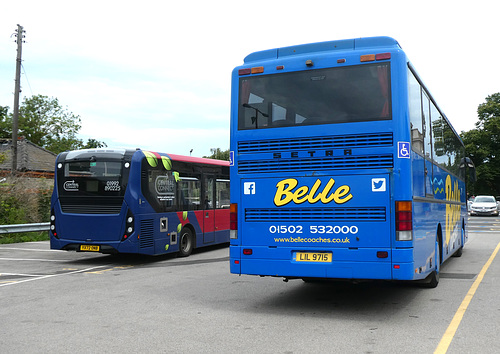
point(378, 185)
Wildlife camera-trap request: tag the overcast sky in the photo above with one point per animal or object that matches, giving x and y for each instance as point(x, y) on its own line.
point(156, 74)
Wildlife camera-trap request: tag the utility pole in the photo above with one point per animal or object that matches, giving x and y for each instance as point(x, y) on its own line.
point(17, 91)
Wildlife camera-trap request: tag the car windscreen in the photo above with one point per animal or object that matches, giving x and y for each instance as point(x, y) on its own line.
point(485, 200)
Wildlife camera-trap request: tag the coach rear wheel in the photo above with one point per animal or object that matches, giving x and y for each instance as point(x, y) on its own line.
point(185, 242)
point(459, 251)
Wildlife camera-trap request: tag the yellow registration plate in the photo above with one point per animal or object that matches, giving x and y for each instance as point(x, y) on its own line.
point(90, 248)
point(322, 257)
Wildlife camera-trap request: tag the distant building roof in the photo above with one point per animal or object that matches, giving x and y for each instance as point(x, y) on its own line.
point(30, 157)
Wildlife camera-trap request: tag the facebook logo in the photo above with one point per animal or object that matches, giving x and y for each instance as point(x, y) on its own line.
point(249, 187)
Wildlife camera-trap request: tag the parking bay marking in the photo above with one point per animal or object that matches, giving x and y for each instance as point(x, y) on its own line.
point(445, 341)
point(53, 275)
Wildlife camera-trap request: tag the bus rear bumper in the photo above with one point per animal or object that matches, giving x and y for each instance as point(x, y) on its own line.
point(287, 269)
point(107, 247)
point(335, 270)
point(361, 267)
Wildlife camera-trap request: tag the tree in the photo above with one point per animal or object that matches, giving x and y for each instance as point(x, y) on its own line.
point(43, 121)
point(218, 154)
point(483, 146)
point(5, 129)
point(94, 144)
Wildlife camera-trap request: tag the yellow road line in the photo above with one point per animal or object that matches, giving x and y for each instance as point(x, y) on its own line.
point(455, 322)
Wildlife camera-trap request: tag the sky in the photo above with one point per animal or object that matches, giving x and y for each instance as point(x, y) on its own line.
point(157, 74)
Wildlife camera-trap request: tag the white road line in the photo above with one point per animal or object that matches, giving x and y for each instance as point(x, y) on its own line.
point(34, 259)
point(52, 275)
point(22, 275)
point(30, 249)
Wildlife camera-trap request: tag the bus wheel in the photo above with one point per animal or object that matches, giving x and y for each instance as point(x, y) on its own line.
point(459, 251)
point(185, 242)
point(432, 279)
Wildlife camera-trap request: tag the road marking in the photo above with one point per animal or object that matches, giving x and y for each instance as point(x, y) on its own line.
point(30, 249)
point(21, 275)
point(455, 322)
point(33, 259)
point(53, 275)
point(110, 269)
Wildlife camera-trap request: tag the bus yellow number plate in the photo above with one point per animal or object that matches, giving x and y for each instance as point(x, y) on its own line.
point(90, 248)
point(320, 257)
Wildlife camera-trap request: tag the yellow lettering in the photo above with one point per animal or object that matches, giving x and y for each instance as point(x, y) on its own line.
point(311, 198)
point(342, 194)
point(325, 199)
point(285, 193)
point(300, 193)
point(452, 210)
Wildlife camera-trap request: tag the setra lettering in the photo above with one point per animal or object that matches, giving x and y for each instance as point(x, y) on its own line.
point(286, 193)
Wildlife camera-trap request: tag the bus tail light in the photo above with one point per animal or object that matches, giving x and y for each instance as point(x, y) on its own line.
point(382, 254)
point(373, 57)
point(404, 222)
point(53, 223)
point(129, 226)
point(233, 221)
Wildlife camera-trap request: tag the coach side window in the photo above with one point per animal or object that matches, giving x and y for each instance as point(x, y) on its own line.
point(222, 193)
point(415, 107)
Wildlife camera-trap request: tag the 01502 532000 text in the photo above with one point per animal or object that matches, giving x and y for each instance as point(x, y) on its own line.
point(314, 229)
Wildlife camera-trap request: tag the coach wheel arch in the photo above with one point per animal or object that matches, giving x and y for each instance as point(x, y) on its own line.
point(186, 240)
point(439, 239)
point(459, 251)
point(432, 280)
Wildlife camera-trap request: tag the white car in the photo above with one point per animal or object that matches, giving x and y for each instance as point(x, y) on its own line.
point(484, 205)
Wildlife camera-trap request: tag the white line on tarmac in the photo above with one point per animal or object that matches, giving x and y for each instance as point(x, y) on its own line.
point(52, 275)
point(29, 249)
point(21, 275)
point(33, 259)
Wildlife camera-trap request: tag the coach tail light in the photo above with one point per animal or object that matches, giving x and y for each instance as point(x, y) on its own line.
point(53, 223)
point(233, 221)
point(404, 224)
point(129, 226)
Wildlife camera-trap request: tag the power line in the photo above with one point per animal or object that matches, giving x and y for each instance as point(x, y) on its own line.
point(26, 76)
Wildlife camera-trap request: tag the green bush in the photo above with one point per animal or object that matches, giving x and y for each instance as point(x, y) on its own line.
point(44, 196)
point(24, 201)
point(24, 237)
point(11, 211)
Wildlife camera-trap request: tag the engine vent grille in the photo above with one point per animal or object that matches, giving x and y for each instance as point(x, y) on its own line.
point(316, 163)
point(146, 236)
point(95, 205)
point(316, 214)
point(322, 142)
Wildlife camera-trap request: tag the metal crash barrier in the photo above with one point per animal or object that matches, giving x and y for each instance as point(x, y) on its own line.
point(11, 229)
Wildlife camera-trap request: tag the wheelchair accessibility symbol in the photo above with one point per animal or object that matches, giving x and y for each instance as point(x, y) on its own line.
point(403, 150)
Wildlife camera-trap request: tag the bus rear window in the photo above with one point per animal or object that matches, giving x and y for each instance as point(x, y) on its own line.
point(85, 178)
point(93, 169)
point(324, 96)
